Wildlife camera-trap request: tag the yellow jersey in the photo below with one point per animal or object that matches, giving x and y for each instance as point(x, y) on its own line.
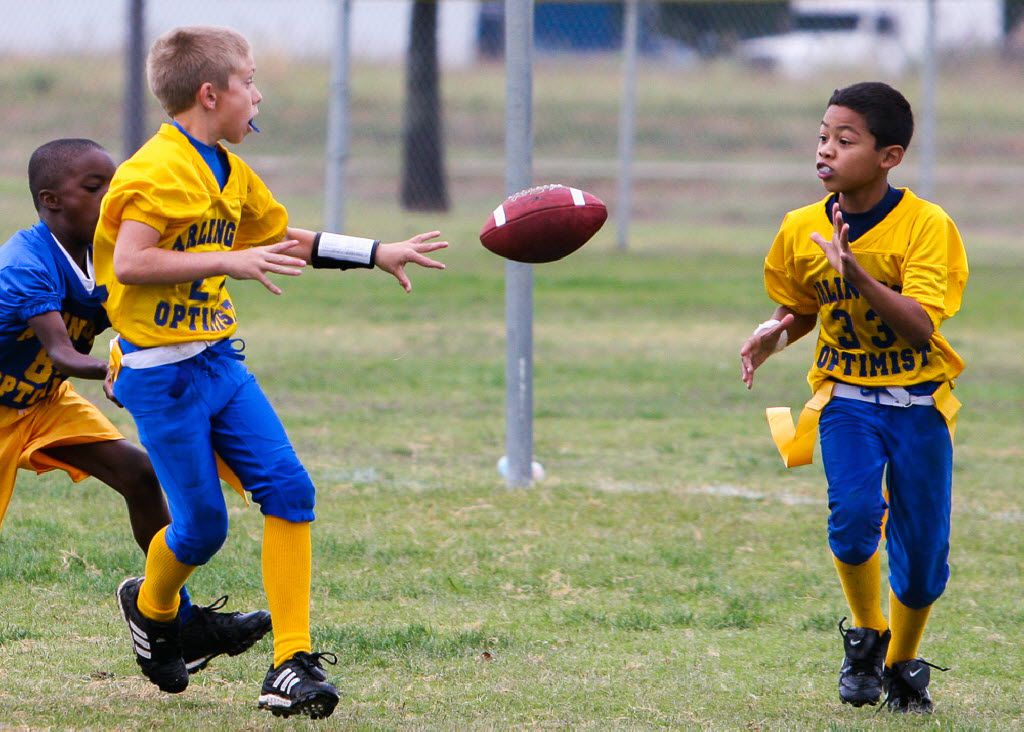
point(915, 250)
point(168, 186)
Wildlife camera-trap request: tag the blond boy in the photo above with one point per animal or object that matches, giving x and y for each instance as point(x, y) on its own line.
point(182, 216)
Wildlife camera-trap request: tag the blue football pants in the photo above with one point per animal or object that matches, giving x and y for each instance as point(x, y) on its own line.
point(912, 448)
point(185, 412)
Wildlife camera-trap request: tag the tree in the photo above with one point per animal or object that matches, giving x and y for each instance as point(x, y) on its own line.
point(424, 181)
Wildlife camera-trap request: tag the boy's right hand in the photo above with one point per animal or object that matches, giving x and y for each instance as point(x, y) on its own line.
point(255, 262)
point(758, 347)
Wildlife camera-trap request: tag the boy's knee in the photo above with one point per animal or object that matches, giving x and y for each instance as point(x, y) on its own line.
point(921, 595)
point(854, 533)
point(136, 479)
point(853, 553)
point(920, 579)
point(294, 502)
point(196, 543)
point(287, 492)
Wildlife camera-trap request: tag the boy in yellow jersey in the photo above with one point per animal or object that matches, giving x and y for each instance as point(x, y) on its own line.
point(182, 216)
point(881, 269)
point(51, 310)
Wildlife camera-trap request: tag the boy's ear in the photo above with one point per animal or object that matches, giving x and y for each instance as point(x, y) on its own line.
point(892, 156)
point(49, 200)
point(207, 96)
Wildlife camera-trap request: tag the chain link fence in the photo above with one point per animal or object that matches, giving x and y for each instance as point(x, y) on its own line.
point(726, 98)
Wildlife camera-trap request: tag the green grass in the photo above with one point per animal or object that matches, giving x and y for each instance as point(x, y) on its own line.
point(668, 572)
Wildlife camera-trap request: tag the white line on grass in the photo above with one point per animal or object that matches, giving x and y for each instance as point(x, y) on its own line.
point(735, 491)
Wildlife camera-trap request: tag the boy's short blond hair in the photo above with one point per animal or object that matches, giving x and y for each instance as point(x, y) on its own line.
point(183, 59)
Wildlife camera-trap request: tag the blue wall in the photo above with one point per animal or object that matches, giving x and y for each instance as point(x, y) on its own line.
point(557, 26)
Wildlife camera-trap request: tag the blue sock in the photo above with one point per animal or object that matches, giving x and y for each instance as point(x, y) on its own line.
point(185, 608)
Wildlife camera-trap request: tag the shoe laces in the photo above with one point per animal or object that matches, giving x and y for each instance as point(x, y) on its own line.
point(843, 631)
point(208, 615)
point(216, 604)
point(897, 682)
point(934, 666)
point(208, 612)
point(314, 659)
point(310, 666)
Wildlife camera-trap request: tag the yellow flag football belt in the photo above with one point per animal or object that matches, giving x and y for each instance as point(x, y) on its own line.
point(795, 442)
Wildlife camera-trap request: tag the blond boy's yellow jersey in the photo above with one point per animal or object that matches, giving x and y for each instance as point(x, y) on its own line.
point(168, 186)
point(916, 250)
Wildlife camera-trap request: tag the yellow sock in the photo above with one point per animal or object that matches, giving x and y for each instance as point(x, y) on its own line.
point(907, 629)
point(287, 568)
point(862, 585)
point(165, 576)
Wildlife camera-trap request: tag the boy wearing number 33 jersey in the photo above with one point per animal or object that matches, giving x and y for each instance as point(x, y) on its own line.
point(881, 269)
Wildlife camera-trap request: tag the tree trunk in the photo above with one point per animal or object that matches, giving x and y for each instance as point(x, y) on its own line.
point(424, 184)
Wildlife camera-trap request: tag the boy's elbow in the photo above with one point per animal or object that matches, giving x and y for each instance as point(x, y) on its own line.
point(918, 345)
point(921, 339)
point(126, 277)
point(125, 272)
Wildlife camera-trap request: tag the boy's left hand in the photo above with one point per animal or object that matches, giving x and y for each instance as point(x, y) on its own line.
point(108, 389)
point(837, 250)
point(393, 257)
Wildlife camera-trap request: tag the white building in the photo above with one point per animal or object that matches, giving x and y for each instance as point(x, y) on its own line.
point(379, 30)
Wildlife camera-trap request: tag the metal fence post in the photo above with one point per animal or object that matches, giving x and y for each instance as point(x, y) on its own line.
point(134, 123)
point(338, 122)
point(627, 120)
point(929, 72)
point(518, 276)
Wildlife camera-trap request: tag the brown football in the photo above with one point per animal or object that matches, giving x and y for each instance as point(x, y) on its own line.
point(543, 224)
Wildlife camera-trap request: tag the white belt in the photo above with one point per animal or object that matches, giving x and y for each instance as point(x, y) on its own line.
point(147, 358)
point(890, 396)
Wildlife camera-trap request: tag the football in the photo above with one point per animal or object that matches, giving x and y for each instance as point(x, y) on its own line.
point(543, 224)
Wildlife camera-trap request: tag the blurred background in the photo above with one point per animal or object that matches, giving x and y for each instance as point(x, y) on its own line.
point(683, 116)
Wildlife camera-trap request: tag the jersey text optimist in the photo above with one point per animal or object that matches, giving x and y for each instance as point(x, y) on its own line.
point(167, 185)
point(916, 250)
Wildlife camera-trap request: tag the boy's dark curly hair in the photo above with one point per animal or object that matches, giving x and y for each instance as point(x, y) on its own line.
point(887, 112)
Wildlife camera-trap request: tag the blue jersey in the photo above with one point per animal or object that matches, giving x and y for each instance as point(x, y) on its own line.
point(37, 277)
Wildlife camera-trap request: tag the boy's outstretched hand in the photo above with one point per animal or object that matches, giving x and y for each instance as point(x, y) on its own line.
point(393, 257)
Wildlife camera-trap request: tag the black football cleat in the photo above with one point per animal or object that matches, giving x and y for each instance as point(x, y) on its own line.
point(157, 645)
point(860, 678)
point(906, 686)
point(300, 686)
point(209, 633)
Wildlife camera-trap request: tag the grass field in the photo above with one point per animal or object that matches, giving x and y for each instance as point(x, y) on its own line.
point(668, 572)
